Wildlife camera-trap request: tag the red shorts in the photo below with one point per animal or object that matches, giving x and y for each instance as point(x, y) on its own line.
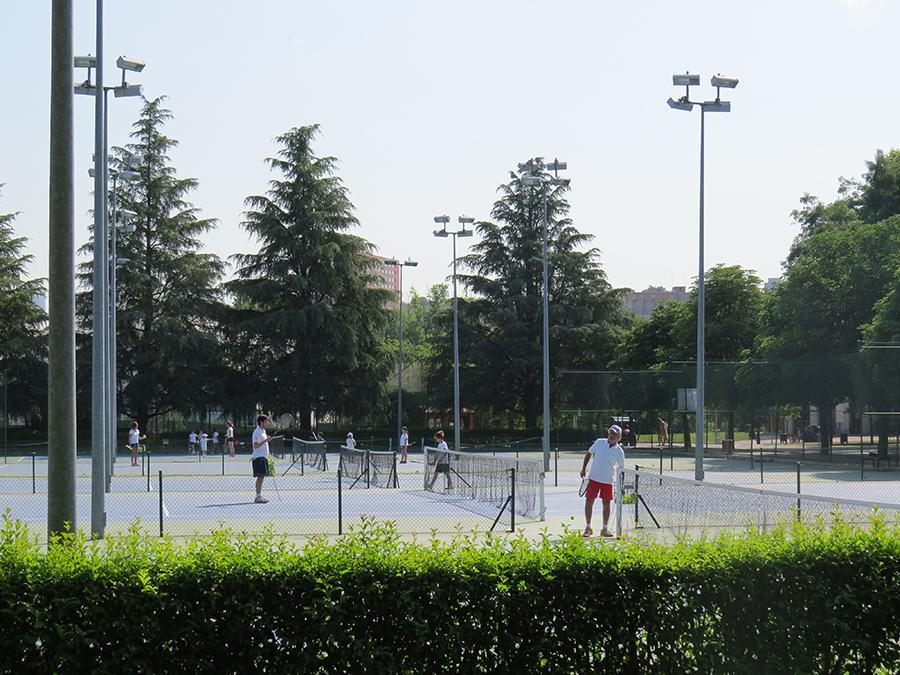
point(602, 490)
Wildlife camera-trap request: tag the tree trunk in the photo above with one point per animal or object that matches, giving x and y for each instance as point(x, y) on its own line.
point(883, 431)
point(685, 424)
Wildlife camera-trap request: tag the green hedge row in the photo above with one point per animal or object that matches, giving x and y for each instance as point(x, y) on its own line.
point(801, 600)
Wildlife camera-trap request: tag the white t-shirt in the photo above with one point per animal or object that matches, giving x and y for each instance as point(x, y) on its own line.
point(606, 461)
point(259, 434)
point(134, 436)
point(442, 457)
point(203, 442)
point(404, 440)
point(229, 434)
point(192, 437)
point(215, 437)
point(350, 442)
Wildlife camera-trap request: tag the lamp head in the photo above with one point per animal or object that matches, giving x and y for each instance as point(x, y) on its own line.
point(86, 89)
point(442, 219)
point(391, 262)
point(127, 174)
point(685, 80)
point(441, 233)
point(466, 220)
point(464, 233)
point(85, 61)
point(680, 104)
point(128, 63)
point(716, 106)
point(727, 82)
point(531, 181)
point(410, 263)
point(128, 90)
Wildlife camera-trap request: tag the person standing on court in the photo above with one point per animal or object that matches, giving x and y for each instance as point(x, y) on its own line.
point(350, 443)
point(441, 461)
point(260, 456)
point(229, 438)
point(404, 444)
point(663, 432)
point(608, 459)
point(134, 441)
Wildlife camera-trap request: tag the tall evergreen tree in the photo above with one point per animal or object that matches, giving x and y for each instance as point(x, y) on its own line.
point(506, 274)
point(309, 323)
point(23, 347)
point(167, 294)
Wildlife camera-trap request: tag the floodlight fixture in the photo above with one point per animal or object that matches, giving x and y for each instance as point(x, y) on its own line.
point(85, 61)
point(128, 90)
point(727, 82)
point(127, 63)
point(716, 106)
point(556, 165)
point(526, 166)
point(441, 233)
point(685, 80)
point(91, 172)
point(466, 220)
point(410, 263)
point(559, 181)
point(127, 228)
point(133, 159)
point(680, 104)
point(127, 213)
point(442, 219)
point(391, 261)
point(531, 181)
point(122, 261)
point(86, 89)
point(464, 233)
point(127, 174)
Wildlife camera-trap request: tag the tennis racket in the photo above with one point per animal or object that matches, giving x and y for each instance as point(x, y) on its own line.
point(584, 486)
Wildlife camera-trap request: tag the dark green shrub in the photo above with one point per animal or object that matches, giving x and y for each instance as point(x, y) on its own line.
point(801, 600)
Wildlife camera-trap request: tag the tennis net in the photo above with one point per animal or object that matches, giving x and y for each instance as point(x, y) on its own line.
point(371, 468)
point(690, 506)
point(309, 454)
point(488, 479)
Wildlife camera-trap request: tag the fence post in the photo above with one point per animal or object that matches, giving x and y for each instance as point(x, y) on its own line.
point(556, 468)
point(33, 478)
point(862, 464)
point(368, 476)
point(223, 461)
point(340, 507)
point(512, 503)
point(660, 460)
point(798, 492)
point(160, 502)
point(148, 470)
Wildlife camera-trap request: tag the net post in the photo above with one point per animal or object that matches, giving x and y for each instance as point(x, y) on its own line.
point(33, 476)
point(555, 468)
point(512, 497)
point(425, 465)
point(619, 503)
point(143, 460)
point(340, 506)
point(541, 497)
point(368, 476)
point(223, 461)
point(862, 464)
point(660, 460)
point(160, 502)
point(637, 478)
point(394, 471)
point(798, 492)
point(761, 476)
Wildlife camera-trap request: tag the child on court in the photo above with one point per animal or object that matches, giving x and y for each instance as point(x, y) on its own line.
point(260, 456)
point(404, 444)
point(441, 461)
point(134, 441)
point(608, 459)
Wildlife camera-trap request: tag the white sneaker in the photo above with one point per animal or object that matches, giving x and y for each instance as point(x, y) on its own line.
point(260, 500)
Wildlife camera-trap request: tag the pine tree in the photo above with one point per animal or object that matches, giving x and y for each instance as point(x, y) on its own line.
point(309, 324)
point(23, 347)
point(167, 296)
point(507, 277)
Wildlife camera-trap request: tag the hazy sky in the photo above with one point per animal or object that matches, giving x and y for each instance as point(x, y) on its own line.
point(429, 105)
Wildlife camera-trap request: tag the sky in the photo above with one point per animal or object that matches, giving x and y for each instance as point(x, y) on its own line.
point(429, 105)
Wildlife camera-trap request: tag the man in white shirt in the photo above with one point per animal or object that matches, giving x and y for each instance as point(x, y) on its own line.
point(350, 442)
point(192, 442)
point(404, 444)
point(608, 460)
point(260, 456)
point(203, 438)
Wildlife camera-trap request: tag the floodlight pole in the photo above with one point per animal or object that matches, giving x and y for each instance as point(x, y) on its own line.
point(98, 368)
point(717, 105)
point(113, 402)
point(61, 511)
point(456, 416)
point(400, 265)
point(546, 346)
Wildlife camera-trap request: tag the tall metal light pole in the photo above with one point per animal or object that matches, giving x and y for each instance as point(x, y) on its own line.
point(684, 103)
point(463, 232)
point(61, 512)
point(394, 262)
point(102, 445)
point(540, 181)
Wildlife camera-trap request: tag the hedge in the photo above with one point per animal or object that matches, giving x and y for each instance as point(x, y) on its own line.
point(822, 598)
